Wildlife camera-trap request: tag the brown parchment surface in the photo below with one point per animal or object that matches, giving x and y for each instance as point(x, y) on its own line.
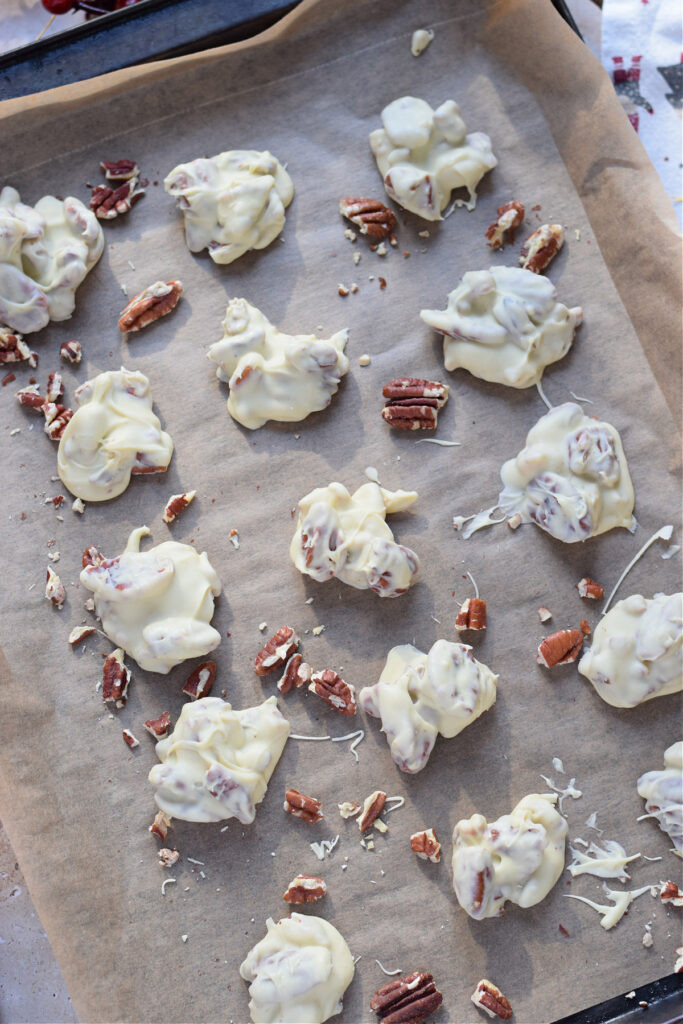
point(74, 799)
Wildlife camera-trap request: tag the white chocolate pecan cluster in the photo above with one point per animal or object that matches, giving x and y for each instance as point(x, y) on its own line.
point(504, 325)
point(113, 433)
point(420, 696)
point(662, 792)
point(636, 652)
point(157, 604)
point(232, 202)
point(424, 154)
point(519, 857)
point(298, 972)
point(273, 375)
point(571, 478)
point(346, 535)
point(217, 763)
point(45, 253)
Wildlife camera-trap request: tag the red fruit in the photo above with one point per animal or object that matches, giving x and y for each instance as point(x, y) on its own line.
point(58, 6)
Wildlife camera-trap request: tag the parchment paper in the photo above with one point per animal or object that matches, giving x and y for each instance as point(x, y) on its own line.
point(74, 799)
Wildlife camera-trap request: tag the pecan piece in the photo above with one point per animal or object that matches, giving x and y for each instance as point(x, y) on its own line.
point(426, 845)
point(13, 348)
point(372, 217)
point(108, 203)
point(334, 691)
point(29, 397)
point(670, 893)
point(472, 615)
point(412, 403)
point(349, 809)
point(119, 170)
point(56, 418)
point(91, 556)
point(297, 673)
point(167, 858)
point(55, 387)
point(489, 998)
point(161, 824)
point(8, 379)
point(302, 806)
point(510, 216)
point(560, 648)
point(590, 589)
point(585, 628)
point(129, 739)
point(54, 589)
point(72, 351)
point(159, 727)
point(200, 681)
point(407, 1000)
point(541, 247)
point(277, 651)
point(175, 505)
point(373, 806)
point(305, 889)
point(149, 305)
point(115, 679)
point(79, 633)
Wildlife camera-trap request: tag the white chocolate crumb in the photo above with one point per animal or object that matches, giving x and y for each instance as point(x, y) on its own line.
point(364, 360)
point(381, 249)
point(317, 630)
point(558, 766)
point(356, 258)
point(263, 626)
point(544, 614)
point(184, 938)
point(423, 234)
point(78, 506)
point(351, 235)
point(167, 881)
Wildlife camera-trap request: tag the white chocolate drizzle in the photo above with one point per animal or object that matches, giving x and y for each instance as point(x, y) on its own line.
point(662, 534)
point(383, 969)
point(611, 915)
point(608, 861)
point(569, 790)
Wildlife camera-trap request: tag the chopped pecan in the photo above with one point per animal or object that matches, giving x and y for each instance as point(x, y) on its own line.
point(301, 806)
point(130, 739)
point(8, 379)
point(585, 627)
point(175, 505)
point(72, 351)
point(349, 809)
point(373, 806)
point(541, 247)
point(115, 679)
point(167, 858)
point(489, 998)
point(277, 651)
point(297, 673)
point(119, 170)
point(510, 216)
point(91, 556)
point(305, 889)
point(13, 348)
point(407, 1000)
point(108, 203)
point(161, 824)
point(372, 217)
point(472, 615)
point(515, 521)
point(560, 648)
point(56, 418)
point(55, 387)
point(30, 397)
point(159, 727)
point(412, 403)
point(426, 845)
point(590, 589)
point(151, 304)
point(79, 633)
point(200, 681)
point(334, 691)
point(670, 893)
point(54, 589)
point(544, 614)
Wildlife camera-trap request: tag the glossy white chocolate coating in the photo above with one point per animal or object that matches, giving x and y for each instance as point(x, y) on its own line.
point(298, 972)
point(571, 478)
point(232, 202)
point(273, 375)
point(156, 604)
point(346, 535)
point(113, 433)
point(519, 857)
point(45, 253)
point(662, 792)
point(217, 763)
point(504, 325)
point(419, 696)
point(636, 653)
point(423, 154)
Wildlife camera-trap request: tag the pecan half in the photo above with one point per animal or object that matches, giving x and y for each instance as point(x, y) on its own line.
point(541, 247)
point(426, 845)
point(489, 998)
point(115, 679)
point(373, 806)
point(72, 351)
point(159, 727)
point(407, 1000)
point(200, 681)
point(149, 305)
point(161, 824)
point(560, 648)
point(54, 589)
point(79, 633)
point(29, 397)
point(412, 403)
point(334, 691)
point(472, 615)
point(277, 651)
point(305, 889)
point(372, 217)
point(119, 170)
point(56, 418)
point(297, 673)
point(590, 589)
point(510, 216)
point(55, 388)
point(13, 348)
point(670, 893)
point(108, 203)
point(175, 505)
point(129, 739)
point(167, 858)
point(302, 806)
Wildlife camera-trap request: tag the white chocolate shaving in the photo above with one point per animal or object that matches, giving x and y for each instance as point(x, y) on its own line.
point(324, 848)
point(569, 790)
point(662, 792)
point(557, 764)
point(419, 41)
point(611, 915)
point(662, 534)
point(606, 861)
